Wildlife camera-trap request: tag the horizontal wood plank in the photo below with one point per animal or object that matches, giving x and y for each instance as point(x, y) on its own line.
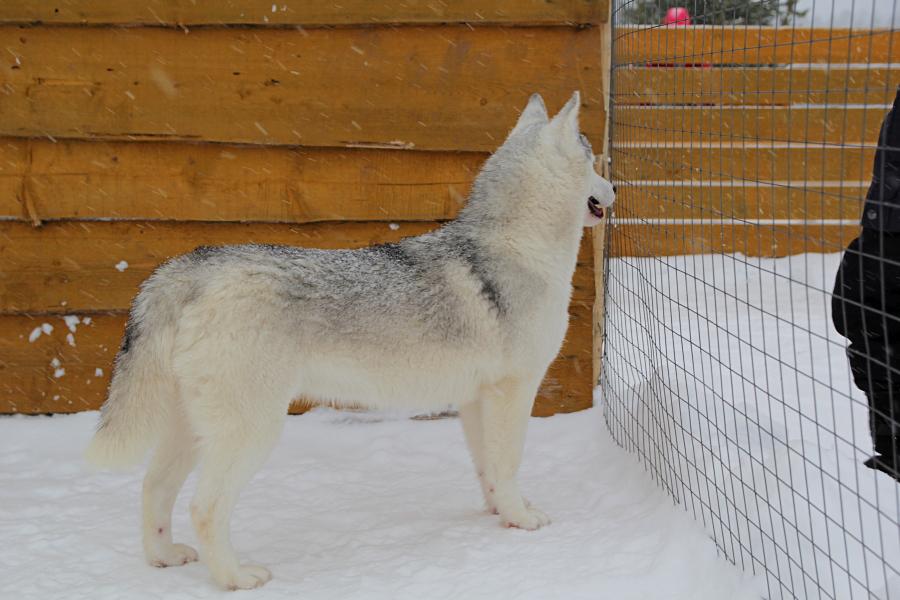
point(450, 89)
point(639, 46)
point(789, 200)
point(676, 239)
point(73, 179)
point(706, 163)
point(78, 266)
point(53, 372)
point(265, 12)
point(48, 371)
point(756, 86)
point(730, 124)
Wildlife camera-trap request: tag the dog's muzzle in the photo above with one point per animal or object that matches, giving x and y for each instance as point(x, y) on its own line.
point(594, 207)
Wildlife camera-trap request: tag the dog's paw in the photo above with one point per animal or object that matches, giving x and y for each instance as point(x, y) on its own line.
point(248, 577)
point(173, 556)
point(529, 519)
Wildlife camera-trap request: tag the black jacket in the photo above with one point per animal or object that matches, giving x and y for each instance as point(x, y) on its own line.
point(882, 208)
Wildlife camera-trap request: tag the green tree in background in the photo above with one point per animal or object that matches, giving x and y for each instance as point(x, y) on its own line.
point(715, 12)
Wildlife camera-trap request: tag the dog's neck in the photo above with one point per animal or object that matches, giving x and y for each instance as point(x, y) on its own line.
point(543, 248)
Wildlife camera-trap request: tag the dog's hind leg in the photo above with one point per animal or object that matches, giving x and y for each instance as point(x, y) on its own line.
point(505, 411)
point(471, 417)
point(174, 459)
point(231, 451)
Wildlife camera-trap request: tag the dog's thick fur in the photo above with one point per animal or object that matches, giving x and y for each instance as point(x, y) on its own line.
point(219, 341)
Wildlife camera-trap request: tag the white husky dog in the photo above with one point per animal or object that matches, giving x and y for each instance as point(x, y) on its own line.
point(221, 340)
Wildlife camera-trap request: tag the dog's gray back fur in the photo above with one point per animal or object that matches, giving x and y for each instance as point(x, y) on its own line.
point(355, 293)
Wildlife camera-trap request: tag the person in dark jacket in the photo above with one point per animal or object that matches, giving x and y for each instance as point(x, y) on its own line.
point(866, 298)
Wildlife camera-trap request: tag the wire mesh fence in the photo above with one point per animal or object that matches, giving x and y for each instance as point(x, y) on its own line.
point(743, 139)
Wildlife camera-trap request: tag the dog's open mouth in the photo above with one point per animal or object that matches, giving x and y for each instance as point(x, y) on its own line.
point(595, 208)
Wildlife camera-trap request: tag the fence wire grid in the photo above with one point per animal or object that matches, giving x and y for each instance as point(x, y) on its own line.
point(742, 147)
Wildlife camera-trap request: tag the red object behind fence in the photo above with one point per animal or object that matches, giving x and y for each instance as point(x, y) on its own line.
point(677, 17)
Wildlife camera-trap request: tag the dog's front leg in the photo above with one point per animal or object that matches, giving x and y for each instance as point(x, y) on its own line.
point(506, 407)
point(471, 416)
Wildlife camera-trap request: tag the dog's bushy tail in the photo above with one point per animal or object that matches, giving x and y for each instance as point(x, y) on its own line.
point(143, 386)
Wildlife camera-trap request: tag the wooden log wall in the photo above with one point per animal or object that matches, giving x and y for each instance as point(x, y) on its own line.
point(132, 131)
point(745, 139)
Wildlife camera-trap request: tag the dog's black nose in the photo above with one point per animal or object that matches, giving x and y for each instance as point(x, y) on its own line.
point(593, 200)
point(614, 189)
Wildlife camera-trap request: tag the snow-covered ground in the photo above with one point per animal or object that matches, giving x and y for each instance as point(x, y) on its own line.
point(356, 505)
point(725, 374)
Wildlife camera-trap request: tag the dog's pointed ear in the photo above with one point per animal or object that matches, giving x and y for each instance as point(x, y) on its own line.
point(566, 120)
point(535, 112)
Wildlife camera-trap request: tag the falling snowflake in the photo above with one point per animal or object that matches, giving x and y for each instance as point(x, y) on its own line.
point(44, 328)
point(72, 322)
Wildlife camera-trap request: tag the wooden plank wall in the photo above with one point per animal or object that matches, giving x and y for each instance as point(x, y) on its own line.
point(745, 139)
point(132, 131)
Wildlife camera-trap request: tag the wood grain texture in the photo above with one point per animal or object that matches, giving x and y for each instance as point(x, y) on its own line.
point(73, 179)
point(31, 382)
point(72, 266)
point(639, 46)
point(735, 125)
point(705, 163)
point(794, 200)
point(598, 233)
point(598, 316)
point(757, 86)
point(260, 12)
point(752, 240)
point(452, 88)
